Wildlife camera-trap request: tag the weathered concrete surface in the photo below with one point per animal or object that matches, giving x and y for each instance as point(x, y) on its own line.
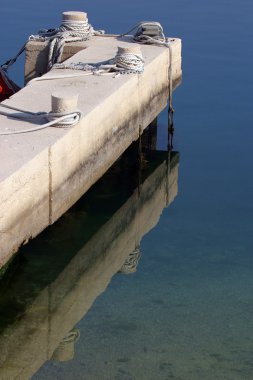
point(37, 54)
point(22, 213)
point(33, 338)
point(42, 174)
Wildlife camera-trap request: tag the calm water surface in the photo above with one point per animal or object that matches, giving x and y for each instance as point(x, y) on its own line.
point(186, 313)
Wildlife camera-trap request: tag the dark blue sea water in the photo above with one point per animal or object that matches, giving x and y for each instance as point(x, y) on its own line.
point(186, 313)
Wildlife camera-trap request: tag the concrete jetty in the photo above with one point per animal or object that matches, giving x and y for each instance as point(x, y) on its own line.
point(42, 174)
point(47, 311)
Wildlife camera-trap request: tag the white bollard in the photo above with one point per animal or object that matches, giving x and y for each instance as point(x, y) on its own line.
point(130, 50)
point(130, 59)
point(36, 63)
point(64, 102)
point(72, 16)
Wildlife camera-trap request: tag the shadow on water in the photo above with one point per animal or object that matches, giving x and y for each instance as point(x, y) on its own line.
point(57, 276)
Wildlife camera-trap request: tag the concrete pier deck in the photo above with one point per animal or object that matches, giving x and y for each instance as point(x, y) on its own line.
point(44, 173)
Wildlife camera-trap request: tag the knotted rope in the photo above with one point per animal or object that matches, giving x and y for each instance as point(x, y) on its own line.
point(129, 60)
point(146, 32)
point(69, 31)
point(151, 33)
point(59, 120)
point(126, 61)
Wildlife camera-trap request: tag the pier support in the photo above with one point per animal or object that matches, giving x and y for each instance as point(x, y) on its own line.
point(42, 174)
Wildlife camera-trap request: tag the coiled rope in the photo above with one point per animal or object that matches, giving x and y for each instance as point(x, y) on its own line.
point(129, 61)
point(131, 263)
point(126, 61)
point(146, 32)
point(69, 31)
point(58, 120)
point(151, 33)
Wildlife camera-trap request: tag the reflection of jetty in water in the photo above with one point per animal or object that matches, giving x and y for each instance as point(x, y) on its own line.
point(61, 273)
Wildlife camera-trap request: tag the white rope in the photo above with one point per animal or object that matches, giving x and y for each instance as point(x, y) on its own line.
point(59, 120)
point(151, 33)
point(146, 32)
point(129, 62)
point(67, 119)
point(69, 31)
point(52, 77)
point(20, 110)
point(123, 63)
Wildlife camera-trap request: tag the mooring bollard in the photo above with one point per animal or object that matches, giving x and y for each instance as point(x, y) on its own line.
point(37, 51)
point(136, 50)
point(130, 58)
point(64, 104)
point(72, 16)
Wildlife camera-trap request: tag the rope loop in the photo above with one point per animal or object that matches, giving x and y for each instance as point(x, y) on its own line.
point(151, 33)
point(69, 31)
point(57, 120)
point(67, 119)
point(126, 61)
point(129, 61)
